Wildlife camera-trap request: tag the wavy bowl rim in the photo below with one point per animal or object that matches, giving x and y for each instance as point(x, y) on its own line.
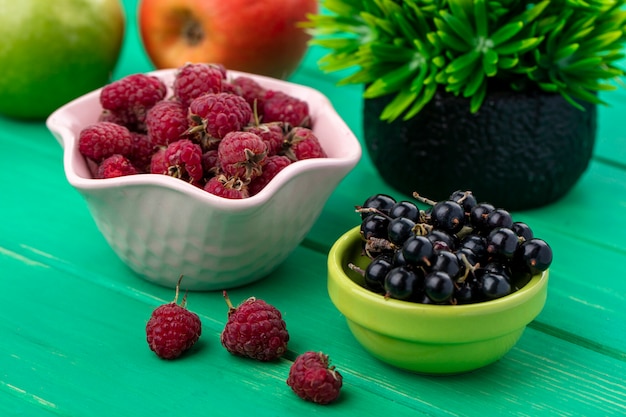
point(58, 126)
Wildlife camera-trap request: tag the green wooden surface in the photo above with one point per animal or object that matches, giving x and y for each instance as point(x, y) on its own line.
point(72, 315)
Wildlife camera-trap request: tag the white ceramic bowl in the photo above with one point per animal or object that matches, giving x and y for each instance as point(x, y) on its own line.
point(162, 227)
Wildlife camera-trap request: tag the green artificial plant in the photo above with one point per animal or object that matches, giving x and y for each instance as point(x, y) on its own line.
point(413, 48)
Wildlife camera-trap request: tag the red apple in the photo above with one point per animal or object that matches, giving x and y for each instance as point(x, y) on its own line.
point(256, 36)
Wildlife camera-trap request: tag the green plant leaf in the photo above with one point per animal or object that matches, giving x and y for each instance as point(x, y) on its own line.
point(508, 62)
point(398, 105)
point(480, 16)
point(429, 93)
point(474, 85)
point(453, 42)
point(506, 32)
point(518, 47)
point(566, 51)
point(462, 28)
point(478, 98)
point(601, 41)
point(490, 63)
point(463, 61)
point(392, 81)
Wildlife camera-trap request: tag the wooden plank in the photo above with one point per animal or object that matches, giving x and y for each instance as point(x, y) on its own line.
point(91, 337)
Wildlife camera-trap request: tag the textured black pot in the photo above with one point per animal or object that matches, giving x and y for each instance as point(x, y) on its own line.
point(519, 151)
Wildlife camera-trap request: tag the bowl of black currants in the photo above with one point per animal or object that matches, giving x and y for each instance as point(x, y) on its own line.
point(438, 287)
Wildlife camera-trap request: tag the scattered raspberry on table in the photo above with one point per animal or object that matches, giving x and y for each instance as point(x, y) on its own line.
point(254, 329)
point(172, 329)
point(313, 379)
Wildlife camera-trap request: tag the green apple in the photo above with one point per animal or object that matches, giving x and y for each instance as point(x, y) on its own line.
point(54, 51)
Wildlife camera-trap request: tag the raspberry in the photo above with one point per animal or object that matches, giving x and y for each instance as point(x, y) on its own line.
point(212, 116)
point(242, 154)
point(172, 329)
point(194, 80)
point(251, 91)
point(281, 107)
point(157, 162)
point(130, 98)
point(210, 163)
point(223, 186)
point(141, 151)
point(103, 139)
point(115, 166)
point(273, 134)
point(184, 160)
point(166, 122)
point(301, 143)
point(273, 166)
point(254, 329)
point(312, 379)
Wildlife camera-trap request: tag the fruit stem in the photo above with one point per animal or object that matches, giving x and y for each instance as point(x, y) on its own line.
point(356, 268)
point(229, 303)
point(423, 199)
point(360, 209)
point(180, 278)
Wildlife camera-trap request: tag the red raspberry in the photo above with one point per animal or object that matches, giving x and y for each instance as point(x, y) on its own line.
point(141, 151)
point(172, 329)
point(130, 98)
point(273, 134)
point(194, 80)
point(115, 166)
point(301, 143)
point(212, 116)
point(273, 166)
point(242, 154)
point(281, 107)
point(210, 163)
point(103, 139)
point(166, 122)
point(223, 186)
point(157, 162)
point(255, 329)
point(184, 161)
point(251, 91)
point(312, 379)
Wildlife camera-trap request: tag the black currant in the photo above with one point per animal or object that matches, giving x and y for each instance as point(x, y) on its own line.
point(382, 202)
point(451, 241)
point(399, 230)
point(478, 216)
point(374, 225)
point(494, 285)
point(467, 292)
point(418, 250)
point(403, 283)
point(446, 261)
point(535, 254)
point(448, 216)
point(376, 271)
point(502, 242)
point(522, 230)
point(475, 243)
point(406, 209)
point(398, 258)
point(499, 218)
point(466, 199)
point(438, 286)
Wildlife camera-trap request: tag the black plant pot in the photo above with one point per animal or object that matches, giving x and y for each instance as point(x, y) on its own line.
point(519, 151)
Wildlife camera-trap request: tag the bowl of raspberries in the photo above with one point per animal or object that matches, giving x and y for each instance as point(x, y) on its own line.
point(201, 171)
point(444, 289)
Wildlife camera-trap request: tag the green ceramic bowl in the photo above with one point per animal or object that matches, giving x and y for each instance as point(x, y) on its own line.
point(423, 338)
